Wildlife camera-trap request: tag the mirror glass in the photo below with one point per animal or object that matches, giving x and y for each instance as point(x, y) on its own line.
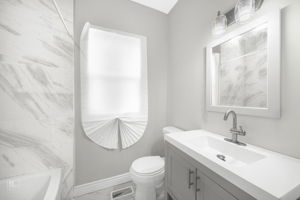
point(241, 75)
point(114, 95)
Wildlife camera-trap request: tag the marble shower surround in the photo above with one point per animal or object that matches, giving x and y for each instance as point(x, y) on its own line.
point(36, 88)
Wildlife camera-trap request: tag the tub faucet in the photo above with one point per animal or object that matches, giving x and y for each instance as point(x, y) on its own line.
point(234, 130)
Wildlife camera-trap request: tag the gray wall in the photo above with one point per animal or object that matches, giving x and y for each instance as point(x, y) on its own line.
point(190, 32)
point(92, 161)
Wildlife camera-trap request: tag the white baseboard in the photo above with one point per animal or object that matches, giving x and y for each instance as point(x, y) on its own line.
point(101, 184)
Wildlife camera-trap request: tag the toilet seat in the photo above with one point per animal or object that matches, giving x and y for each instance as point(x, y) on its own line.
point(148, 166)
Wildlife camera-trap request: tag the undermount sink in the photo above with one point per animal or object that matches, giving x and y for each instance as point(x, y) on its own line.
point(216, 148)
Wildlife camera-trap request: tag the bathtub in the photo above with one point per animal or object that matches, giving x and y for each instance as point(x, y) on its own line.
point(41, 186)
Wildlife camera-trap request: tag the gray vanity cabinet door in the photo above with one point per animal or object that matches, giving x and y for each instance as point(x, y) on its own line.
point(210, 190)
point(180, 177)
point(204, 183)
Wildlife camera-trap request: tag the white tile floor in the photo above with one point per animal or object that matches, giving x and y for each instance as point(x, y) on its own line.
point(104, 194)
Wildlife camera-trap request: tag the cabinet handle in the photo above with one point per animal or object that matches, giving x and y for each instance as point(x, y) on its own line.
point(191, 172)
point(196, 185)
point(197, 179)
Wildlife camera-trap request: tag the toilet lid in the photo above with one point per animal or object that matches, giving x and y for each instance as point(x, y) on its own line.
point(148, 165)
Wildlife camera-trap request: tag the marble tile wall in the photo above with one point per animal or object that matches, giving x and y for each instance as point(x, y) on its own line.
point(36, 88)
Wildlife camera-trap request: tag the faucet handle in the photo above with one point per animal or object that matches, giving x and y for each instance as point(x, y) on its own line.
point(242, 132)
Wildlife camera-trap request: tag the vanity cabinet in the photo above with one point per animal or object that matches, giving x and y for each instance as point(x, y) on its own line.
point(181, 177)
point(209, 190)
point(187, 179)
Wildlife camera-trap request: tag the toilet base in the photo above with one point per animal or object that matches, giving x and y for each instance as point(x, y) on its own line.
point(150, 192)
point(145, 193)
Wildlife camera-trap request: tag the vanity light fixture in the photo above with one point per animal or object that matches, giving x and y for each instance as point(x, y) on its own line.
point(219, 24)
point(241, 13)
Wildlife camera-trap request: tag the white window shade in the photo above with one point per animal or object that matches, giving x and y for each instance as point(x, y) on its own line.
point(114, 87)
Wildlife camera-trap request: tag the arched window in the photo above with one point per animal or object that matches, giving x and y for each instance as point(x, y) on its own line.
point(114, 95)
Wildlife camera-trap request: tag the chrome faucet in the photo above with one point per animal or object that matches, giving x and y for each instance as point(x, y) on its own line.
point(234, 130)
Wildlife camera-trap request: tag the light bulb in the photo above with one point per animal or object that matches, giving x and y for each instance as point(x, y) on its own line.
point(244, 9)
point(220, 24)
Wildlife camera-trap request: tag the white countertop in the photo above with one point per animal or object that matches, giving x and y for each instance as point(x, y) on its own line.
point(274, 177)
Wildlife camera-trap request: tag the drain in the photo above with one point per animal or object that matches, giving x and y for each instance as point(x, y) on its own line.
point(221, 157)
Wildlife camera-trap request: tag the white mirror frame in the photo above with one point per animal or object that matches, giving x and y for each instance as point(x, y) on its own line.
point(274, 62)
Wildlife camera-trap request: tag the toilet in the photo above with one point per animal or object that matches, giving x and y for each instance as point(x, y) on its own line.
point(148, 174)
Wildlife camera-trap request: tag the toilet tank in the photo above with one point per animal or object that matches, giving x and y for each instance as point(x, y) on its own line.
point(171, 129)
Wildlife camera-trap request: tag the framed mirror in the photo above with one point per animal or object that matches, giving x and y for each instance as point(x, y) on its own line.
point(243, 69)
point(114, 86)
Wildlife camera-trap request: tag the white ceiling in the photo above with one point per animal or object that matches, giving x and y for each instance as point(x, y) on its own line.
point(164, 6)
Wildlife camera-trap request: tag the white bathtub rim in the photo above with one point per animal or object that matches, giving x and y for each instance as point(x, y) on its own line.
point(54, 187)
point(54, 183)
